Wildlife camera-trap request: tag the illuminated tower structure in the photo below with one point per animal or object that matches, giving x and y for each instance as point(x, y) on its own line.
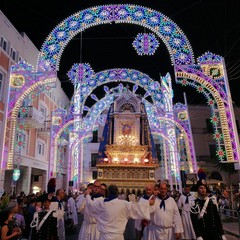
point(127, 155)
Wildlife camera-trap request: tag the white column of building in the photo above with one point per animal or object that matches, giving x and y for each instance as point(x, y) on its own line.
point(3, 132)
point(45, 180)
point(27, 181)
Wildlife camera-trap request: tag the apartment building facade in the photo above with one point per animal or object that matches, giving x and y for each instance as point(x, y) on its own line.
point(34, 154)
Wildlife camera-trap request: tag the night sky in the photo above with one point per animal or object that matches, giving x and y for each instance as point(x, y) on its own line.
point(210, 25)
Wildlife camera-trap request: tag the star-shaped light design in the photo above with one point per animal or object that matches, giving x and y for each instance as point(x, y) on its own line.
point(145, 44)
point(80, 72)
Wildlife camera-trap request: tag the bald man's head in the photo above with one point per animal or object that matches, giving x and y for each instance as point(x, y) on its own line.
point(163, 189)
point(149, 189)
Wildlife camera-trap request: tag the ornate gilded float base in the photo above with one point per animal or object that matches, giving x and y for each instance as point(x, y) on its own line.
point(127, 177)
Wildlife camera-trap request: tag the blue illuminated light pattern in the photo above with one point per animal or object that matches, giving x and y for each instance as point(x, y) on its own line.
point(81, 72)
point(173, 37)
point(145, 44)
point(87, 85)
point(209, 58)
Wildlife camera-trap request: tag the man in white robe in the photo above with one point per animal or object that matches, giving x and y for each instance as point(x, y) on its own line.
point(59, 214)
point(184, 205)
point(112, 214)
point(72, 210)
point(79, 202)
point(89, 229)
point(141, 225)
point(165, 220)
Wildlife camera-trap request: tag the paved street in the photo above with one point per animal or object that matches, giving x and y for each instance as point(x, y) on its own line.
point(230, 227)
point(230, 237)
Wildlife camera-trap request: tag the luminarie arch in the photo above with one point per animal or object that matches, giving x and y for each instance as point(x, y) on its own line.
point(208, 75)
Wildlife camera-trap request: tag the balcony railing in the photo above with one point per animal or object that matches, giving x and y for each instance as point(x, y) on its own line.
point(45, 131)
point(34, 118)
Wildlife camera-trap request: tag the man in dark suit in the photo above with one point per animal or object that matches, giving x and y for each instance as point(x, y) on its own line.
point(205, 216)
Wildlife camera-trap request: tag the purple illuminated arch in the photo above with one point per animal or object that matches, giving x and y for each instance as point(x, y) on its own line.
point(175, 40)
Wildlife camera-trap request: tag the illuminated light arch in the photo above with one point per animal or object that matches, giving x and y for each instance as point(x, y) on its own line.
point(154, 126)
point(124, 75)
point(54, 145)
point(230, 152)
point(175, 40)
point(93, 115)
point(88, 123)
point(26, 93)
point(191, 161)
point(89, 115)
point(177, 44)
point(128, 75)
point(170, 168)
point(58, 134)
point(14, 116)
point(72, 170)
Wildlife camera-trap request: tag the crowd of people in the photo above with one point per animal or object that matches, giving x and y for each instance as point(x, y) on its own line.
point(157, 214)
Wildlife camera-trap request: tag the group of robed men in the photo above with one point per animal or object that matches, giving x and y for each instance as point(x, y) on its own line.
point(157, 215)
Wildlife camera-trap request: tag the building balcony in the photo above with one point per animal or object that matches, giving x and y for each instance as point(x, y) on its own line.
point(34, 118)
point(44, 133)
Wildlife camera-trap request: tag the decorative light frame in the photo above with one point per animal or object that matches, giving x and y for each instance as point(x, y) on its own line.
point(208, 76)
point(145, 44)
point(216, 90)
point(173, 37)
point(90, 120)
